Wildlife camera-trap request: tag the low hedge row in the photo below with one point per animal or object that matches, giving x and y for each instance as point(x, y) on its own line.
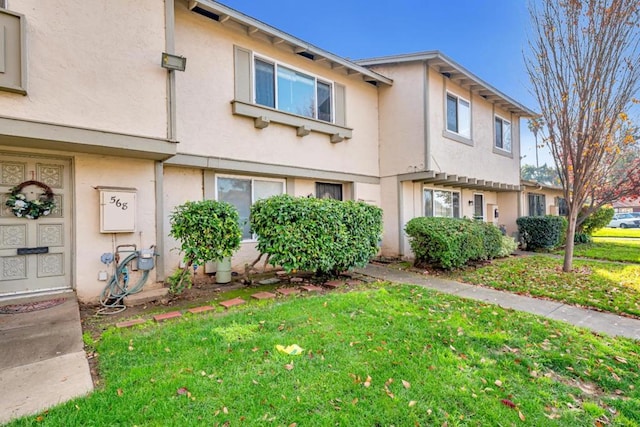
point(450, 242)
point(320, 235)
point(541, 232)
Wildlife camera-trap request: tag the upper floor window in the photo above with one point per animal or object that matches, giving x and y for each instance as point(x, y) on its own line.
point(458, 116)
point(441, 203)
point(537, 205)
point(502, 134)
point(285, 89)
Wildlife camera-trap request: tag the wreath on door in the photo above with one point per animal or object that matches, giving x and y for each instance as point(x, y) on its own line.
point(43, 205)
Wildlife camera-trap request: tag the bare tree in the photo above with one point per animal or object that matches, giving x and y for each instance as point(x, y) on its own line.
point(584, 67)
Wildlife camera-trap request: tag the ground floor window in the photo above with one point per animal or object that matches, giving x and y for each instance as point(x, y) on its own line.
point(441, 203)
point(478, 207)
point(325, 190)
point(537, 204)
point(563, 209)
point(242, 192)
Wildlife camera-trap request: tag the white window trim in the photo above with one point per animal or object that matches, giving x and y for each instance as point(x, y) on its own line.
point(484, 214)
point(253, 239)
point(456, 135)
point(502, 150)
point(448, 191)
point(315, 77)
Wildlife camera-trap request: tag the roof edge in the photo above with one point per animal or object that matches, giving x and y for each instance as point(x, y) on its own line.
point(437, 58)
point(255, 25)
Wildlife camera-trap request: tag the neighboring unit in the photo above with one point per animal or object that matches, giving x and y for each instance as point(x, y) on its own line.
point(449, 145)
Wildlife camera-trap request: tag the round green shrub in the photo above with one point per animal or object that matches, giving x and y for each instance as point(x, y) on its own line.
point(321, 235)
point(208, 230)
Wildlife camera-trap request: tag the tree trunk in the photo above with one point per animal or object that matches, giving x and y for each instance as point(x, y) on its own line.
point(568, 249)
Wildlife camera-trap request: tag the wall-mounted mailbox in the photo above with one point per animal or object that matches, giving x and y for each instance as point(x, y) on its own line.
point(117, 209)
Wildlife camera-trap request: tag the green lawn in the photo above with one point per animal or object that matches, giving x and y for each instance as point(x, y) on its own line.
point(612, 249)
point(618, 232)
point(607, 286)
point(387, 355)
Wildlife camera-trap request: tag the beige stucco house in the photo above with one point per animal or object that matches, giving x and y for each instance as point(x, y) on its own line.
point(87, 109)
point(449, 145)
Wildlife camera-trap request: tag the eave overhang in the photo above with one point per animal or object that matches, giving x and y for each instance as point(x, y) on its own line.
point(32, 134)
point(257, 29)
point(443, 179)
point(526, 184)
point(457, 74)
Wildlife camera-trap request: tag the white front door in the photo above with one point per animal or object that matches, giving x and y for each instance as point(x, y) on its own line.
point(51, 268)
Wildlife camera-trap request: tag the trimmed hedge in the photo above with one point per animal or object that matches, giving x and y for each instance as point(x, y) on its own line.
point(320, 235)
point(450, 242)
point(208, 230)
point(540, 232)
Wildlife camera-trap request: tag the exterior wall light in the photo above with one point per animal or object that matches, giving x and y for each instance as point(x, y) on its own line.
point(173, 62)
point(470, 202)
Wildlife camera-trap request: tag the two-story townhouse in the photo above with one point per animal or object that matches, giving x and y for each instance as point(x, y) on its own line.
point(261, 112)
point(87, 109)
point(83, 108)
point(449, 145)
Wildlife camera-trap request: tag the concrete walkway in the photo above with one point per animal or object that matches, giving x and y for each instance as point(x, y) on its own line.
point(605, 323)
point(42, 361)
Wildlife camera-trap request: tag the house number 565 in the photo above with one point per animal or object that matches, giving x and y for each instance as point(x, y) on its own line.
point(119, 204)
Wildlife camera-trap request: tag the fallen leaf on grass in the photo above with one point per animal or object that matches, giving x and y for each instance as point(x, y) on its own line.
point(367, 382)
point(507, 402)
point(120, 392)
point(289, 366)
point(498, 383)
point(181, 391)
point(412, 403)
point(406, 384)
point(521, 415)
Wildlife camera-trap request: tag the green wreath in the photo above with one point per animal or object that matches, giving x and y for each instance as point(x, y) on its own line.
point(43, 205)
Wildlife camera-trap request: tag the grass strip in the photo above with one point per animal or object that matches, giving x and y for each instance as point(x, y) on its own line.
point(606, 286)
point(388, 355)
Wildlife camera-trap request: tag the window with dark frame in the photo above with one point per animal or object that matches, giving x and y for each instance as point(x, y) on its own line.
point(326, 190)
point(563, 209)
point(537, 204)
point(478, 206)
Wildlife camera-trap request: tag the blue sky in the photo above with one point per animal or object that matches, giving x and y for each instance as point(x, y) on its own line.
point(488, 37)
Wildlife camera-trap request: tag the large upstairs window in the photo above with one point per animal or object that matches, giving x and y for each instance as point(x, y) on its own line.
point(286, 89)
